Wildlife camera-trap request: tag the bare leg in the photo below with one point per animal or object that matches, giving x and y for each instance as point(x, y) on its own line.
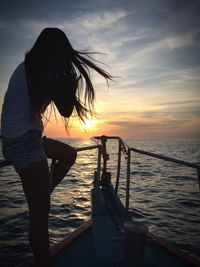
point(66, 156)
point(36, 185)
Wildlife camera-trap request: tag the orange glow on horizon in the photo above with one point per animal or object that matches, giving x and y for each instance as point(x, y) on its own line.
point(135, 128)
point(139, 121)
point(76, 128)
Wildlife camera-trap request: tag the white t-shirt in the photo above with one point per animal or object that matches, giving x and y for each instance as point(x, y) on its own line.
point(16, 116)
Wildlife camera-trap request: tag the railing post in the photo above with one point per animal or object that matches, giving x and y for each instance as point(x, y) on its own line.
point(98, 166)
point(128, 178)
point(96, 186)
point(52, 167)
point(118, 166)
point(198, 175)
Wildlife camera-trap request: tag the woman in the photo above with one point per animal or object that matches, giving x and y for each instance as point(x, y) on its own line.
point(52, 73)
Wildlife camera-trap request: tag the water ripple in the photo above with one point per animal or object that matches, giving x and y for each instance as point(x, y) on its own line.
point(163, 194)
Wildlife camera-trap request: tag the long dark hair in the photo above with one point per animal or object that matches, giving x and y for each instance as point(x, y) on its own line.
point(57, 72)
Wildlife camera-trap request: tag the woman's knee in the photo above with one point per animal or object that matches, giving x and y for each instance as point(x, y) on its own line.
point(69, 156)
point(73, 155)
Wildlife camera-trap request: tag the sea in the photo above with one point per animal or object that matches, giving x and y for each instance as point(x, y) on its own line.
point(163, 194)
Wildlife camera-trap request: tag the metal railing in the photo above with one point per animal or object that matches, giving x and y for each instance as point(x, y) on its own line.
point(124, 148)
point(4, 163)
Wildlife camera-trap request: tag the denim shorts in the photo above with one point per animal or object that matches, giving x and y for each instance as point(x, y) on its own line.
point(24, 150)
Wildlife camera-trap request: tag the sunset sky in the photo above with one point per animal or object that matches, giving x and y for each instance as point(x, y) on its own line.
point(152, 47)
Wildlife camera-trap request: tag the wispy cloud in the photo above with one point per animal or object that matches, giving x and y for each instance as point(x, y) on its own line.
point(99, 20)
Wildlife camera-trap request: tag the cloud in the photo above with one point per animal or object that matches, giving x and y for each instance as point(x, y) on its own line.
point(183, 104)
point(170, 123)
point(99, 20)
point(157, 127)
point(173, 42)
point(178, 118)
point(151, 46)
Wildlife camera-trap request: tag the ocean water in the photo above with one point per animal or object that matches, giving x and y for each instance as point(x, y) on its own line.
point(165, 195)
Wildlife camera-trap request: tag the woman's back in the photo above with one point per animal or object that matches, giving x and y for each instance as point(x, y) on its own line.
point(16, 114)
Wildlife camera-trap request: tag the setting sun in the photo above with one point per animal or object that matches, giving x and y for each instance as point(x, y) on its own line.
point(89, 124)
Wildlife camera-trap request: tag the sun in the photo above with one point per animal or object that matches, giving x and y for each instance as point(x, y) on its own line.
point(89, 124)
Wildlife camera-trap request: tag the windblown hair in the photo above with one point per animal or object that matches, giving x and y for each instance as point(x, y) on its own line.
point(57, 73)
